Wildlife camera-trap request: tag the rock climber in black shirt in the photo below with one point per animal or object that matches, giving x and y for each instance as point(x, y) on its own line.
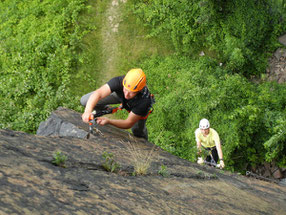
point(129, 90)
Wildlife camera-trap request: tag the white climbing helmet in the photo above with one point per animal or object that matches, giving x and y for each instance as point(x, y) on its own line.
point(204, 124)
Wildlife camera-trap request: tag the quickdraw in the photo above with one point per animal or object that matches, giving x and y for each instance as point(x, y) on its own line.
point(212, 163)
point(92, 122)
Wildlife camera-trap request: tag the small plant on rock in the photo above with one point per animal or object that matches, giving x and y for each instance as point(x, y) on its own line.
point(109, 164)
point(141, 159)
point(163, 171)
point(214, 176)
point(59, 159)
point(200, 174)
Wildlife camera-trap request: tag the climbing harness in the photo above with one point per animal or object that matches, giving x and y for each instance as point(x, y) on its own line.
point(212, 162)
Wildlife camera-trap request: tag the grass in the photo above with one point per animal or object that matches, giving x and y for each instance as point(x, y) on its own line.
point(134, 45)
point(141, 159)
point(106, 53)
point(89, 72)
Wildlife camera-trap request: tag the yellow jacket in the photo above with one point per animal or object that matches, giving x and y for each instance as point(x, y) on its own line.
point(208, 141)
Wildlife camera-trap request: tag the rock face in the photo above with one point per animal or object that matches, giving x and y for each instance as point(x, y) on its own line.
point(276, 72)
point(282, 39)
point(32, 184)
point(277, 64)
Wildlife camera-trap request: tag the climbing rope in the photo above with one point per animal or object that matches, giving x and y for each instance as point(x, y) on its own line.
point(251, 174)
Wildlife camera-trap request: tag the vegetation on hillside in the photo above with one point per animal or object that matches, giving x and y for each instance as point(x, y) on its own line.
point(250, 118)
point(236, 37)
point(238, 34)
point(49, 50)
point(39, 56)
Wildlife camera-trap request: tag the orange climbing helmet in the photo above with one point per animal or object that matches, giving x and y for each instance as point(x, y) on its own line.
point(135, 80)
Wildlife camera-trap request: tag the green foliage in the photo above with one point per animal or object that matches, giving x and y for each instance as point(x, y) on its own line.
point(275, 122)
point(59, 159)
point(275, 146)
point(109, 164)
point(163, 171)
point(245, 115)
point(236, 33)
point(238, 36)
point(38, 59)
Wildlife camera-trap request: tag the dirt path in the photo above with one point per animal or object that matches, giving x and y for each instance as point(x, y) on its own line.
point(109, 38)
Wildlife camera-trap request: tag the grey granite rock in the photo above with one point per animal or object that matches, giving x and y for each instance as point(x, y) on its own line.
point(32, 184)
point(282, 39)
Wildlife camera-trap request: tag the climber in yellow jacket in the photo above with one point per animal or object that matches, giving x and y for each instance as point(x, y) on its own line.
point(208, 138)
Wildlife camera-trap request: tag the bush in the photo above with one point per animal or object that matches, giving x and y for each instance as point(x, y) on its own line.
point(39, 41)
point(187, 91)
point(237, 33)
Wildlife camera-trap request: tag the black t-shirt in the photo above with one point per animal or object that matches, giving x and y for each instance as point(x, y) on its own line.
point(140, 104)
